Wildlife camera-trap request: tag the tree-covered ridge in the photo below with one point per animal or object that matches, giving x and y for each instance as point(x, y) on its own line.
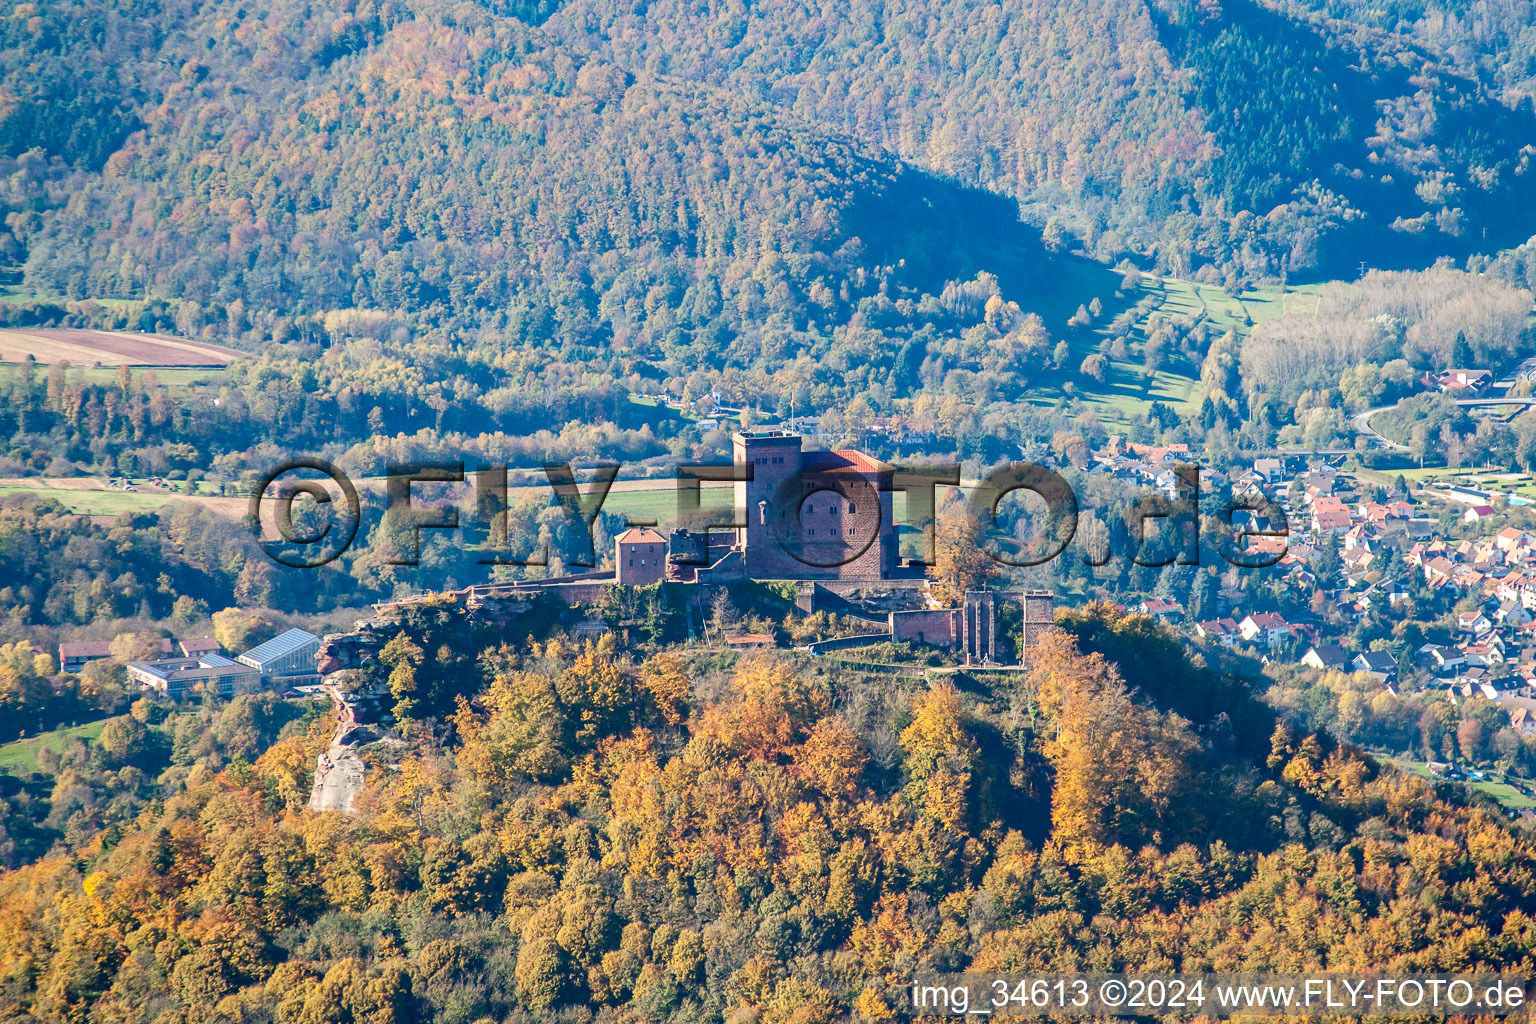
point(513, 226)
point(478, 165)
point(1439, 318)
point(1374, 150)
point(64, 569)
point(1493, 41)
point(689, 185)
point(1014, 98)
point(626, 835)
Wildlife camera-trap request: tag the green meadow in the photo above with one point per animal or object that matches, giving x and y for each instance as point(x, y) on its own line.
point(22, 754)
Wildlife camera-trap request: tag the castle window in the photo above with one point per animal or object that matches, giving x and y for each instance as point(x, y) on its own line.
point(851, 509)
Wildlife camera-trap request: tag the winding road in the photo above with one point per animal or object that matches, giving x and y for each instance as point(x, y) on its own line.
point(1361, 421)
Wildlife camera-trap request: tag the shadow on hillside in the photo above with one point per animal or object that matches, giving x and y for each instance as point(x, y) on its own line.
point(1288, 106)
point(948, 232)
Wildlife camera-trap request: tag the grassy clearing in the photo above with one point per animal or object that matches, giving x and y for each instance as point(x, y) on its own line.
point(1127, 391)
point(21, 296)
point(165, 376)
point(22, 754)
point(661, 505)
point(1523, 484)
point(92, 502)
point(1506, 794)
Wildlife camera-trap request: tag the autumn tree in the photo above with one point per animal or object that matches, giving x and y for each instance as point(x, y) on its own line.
point(1123, 770)
point(665, 680)
point(961, 564)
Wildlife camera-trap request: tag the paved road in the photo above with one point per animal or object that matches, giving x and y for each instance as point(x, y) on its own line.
point(1361, 421)
point(1497, 401)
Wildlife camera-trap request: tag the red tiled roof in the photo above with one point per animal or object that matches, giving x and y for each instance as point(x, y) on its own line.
point(100, 648)
point(843, 458)
point(85, 649)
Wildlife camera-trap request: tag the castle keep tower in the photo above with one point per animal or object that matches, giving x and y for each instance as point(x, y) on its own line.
point(774, 460)
point(813, 515)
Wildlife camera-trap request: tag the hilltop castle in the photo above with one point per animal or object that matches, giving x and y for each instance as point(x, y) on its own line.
point(824, 520)
point(813, 515)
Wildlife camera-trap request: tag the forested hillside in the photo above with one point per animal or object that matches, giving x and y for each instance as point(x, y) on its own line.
point(642, 835)
point(727, 185)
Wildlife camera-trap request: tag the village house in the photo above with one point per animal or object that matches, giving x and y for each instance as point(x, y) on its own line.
point(1270, 468)
point(75, 655)
point(1522, 720)
point(1474, 622)
point(1363, 536)
point(1511, 613)
point(1329, 515)
point(1323, 480)
point(1358, 562)
point(1440, 659)
point(196, 647)
point(1160, 454)
point(1222, 631)
point(1161, 608)
point(1326, 657)
point(1330, 518)
point(1511, 538)
point(1485, 652)
point(1380, 664)
point(1264, 629)
point(1463, 383)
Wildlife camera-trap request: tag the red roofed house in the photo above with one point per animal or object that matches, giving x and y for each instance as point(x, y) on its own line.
point(74, 655)
point(199, 646)
point(1224, 631)
point(1461, 381)
point(1329, 514)
point(1160, 608)
point(1510, 538)
point(640, 555)
point(1265, 629)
